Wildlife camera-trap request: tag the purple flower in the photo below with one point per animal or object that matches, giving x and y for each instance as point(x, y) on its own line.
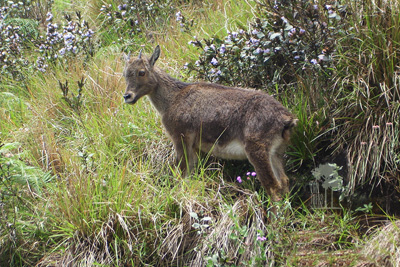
point(89, 33)
point(239, 179)
point(302, 31)
point(266, 51)
point(214, 61)
point(254, 32)
point(234, 34)
point(253, 174)
point(222, 49)
point(254, 41)
point(49, 16)
point(261, 238)
point(179, 16)
point(248, 173)
point(258, 50)
point(314, 61)
point(122, 7)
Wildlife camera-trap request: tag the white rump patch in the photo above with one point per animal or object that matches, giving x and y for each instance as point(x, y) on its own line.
point(232, 150)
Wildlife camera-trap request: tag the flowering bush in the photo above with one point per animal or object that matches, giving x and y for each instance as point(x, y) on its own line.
point(129, 18)
point(15, 33)
point(74, 37)
point(296, 39)
point(18, 33)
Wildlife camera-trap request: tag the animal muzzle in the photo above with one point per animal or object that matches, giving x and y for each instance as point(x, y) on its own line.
point(130, 98)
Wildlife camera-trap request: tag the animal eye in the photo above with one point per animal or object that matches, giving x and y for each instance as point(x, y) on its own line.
point(141, 73)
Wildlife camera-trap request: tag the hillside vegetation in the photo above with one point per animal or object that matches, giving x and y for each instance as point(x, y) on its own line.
point(88, 181)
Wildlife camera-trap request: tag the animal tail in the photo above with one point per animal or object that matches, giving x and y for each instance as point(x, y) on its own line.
point(287, 127)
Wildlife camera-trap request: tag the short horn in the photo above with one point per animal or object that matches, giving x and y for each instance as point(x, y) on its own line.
point(127, 57)
point(140, 53)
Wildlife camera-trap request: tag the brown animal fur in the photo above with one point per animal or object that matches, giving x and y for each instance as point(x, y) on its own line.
point(232, 123)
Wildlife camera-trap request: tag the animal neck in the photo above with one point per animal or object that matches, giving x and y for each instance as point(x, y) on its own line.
point(167, 90)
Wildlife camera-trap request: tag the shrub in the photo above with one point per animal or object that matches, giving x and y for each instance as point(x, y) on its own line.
point(20, 34)
point(130, 19)
point(276, 49)
point(16, 31)
point(65, 42)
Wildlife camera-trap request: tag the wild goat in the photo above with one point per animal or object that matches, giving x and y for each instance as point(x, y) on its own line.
point(231, 123)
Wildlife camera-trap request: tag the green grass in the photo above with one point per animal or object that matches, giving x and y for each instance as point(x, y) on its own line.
point(107, 191)
point(368, 93)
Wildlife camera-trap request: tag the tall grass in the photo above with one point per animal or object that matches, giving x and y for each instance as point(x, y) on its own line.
point(369, 94)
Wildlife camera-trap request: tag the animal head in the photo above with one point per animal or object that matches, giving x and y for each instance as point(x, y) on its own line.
point(140, 76)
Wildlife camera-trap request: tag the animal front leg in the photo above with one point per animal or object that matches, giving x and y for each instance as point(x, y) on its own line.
point(185, 156)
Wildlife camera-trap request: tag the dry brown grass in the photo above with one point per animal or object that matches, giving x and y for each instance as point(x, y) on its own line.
point(230, 236)
point(384, 246)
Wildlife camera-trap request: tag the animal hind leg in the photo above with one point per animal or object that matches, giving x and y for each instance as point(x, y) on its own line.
point(276, 158)
point(259, 155)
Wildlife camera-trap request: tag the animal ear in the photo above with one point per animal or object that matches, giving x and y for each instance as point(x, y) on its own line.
point(155, 55)
point(140, 54)
point(127, 57)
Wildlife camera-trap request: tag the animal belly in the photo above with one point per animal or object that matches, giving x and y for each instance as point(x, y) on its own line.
point(232, 150)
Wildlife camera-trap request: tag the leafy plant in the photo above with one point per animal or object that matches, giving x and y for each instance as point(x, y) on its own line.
point(75, 102)
point(16, 177)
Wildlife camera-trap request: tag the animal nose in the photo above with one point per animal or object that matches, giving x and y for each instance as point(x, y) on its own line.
point(126, 96)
